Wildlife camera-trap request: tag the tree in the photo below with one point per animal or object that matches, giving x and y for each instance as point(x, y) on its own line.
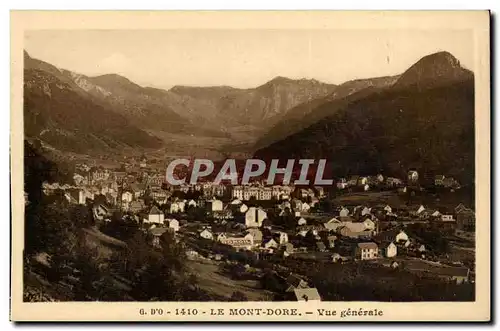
point(81, 216)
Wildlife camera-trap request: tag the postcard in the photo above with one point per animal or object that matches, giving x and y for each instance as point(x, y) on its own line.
point(319, 166)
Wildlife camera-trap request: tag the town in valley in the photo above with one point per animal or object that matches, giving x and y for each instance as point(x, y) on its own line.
point(266, 242)
point(392, 217)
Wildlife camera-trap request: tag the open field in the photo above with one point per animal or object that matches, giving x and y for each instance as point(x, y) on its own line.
point(210, 280)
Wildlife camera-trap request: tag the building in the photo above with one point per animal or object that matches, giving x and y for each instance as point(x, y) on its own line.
point(362, 181)
point(237, 192)
point(447, 218)
point(332, 224)
point(156, 216)
point(207, 234)
point(215, 205)
point(270, 243)
point(307, 294)
point(283, 238)
point(439, 180)
point(331, 241)
point(254, 217)
point(390, 250)
point(301, 221)
point(396, 236)
point(393, 182)
point(412, 177)
point(265, 193)
point(238, 243)
point(256, 235)
point(288, 248)
point(343, 212)
point(295, 282)
point(466, 219)
point(173, 224)
point(242, 208)
point(367, 251)
point(174, 208)
point(100, 175)
point(416, 210)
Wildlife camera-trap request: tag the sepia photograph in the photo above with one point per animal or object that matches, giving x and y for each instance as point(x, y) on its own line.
point(288, 171)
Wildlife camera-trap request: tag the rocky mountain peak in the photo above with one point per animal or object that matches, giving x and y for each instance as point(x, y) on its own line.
point(434, 69)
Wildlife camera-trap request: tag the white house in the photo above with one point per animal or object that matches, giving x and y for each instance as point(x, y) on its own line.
point(271, 243)
point(173, 208)
point(365, 211)
point(362, 181)
point(417, 210)
point(173, 224)
point(206, 234)
point(283, 238)
point(302, 233)
point(412, 176)
point(254, 217)
point(344, 212)
point(447, 218)
point(238, 243)
point(256, 235)
point(156, 216)
point(215, 205)
point(332, 224)
point(221, 237)
point(182, 206)
point(367, 251)
point(391, 250)
point(369, 224)
point(401, 236)
point(243, 208)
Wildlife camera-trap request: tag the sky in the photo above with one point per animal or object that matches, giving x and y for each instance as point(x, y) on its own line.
point(243, 58)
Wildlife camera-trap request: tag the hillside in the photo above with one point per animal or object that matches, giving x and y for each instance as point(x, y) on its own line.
point(412, 124)
point(150, 109)
point(237, 115)
point(247, 113)
point(307, 113)
point(59, 114)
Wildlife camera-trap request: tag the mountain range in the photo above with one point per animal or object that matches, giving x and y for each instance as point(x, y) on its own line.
point(422, 118)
